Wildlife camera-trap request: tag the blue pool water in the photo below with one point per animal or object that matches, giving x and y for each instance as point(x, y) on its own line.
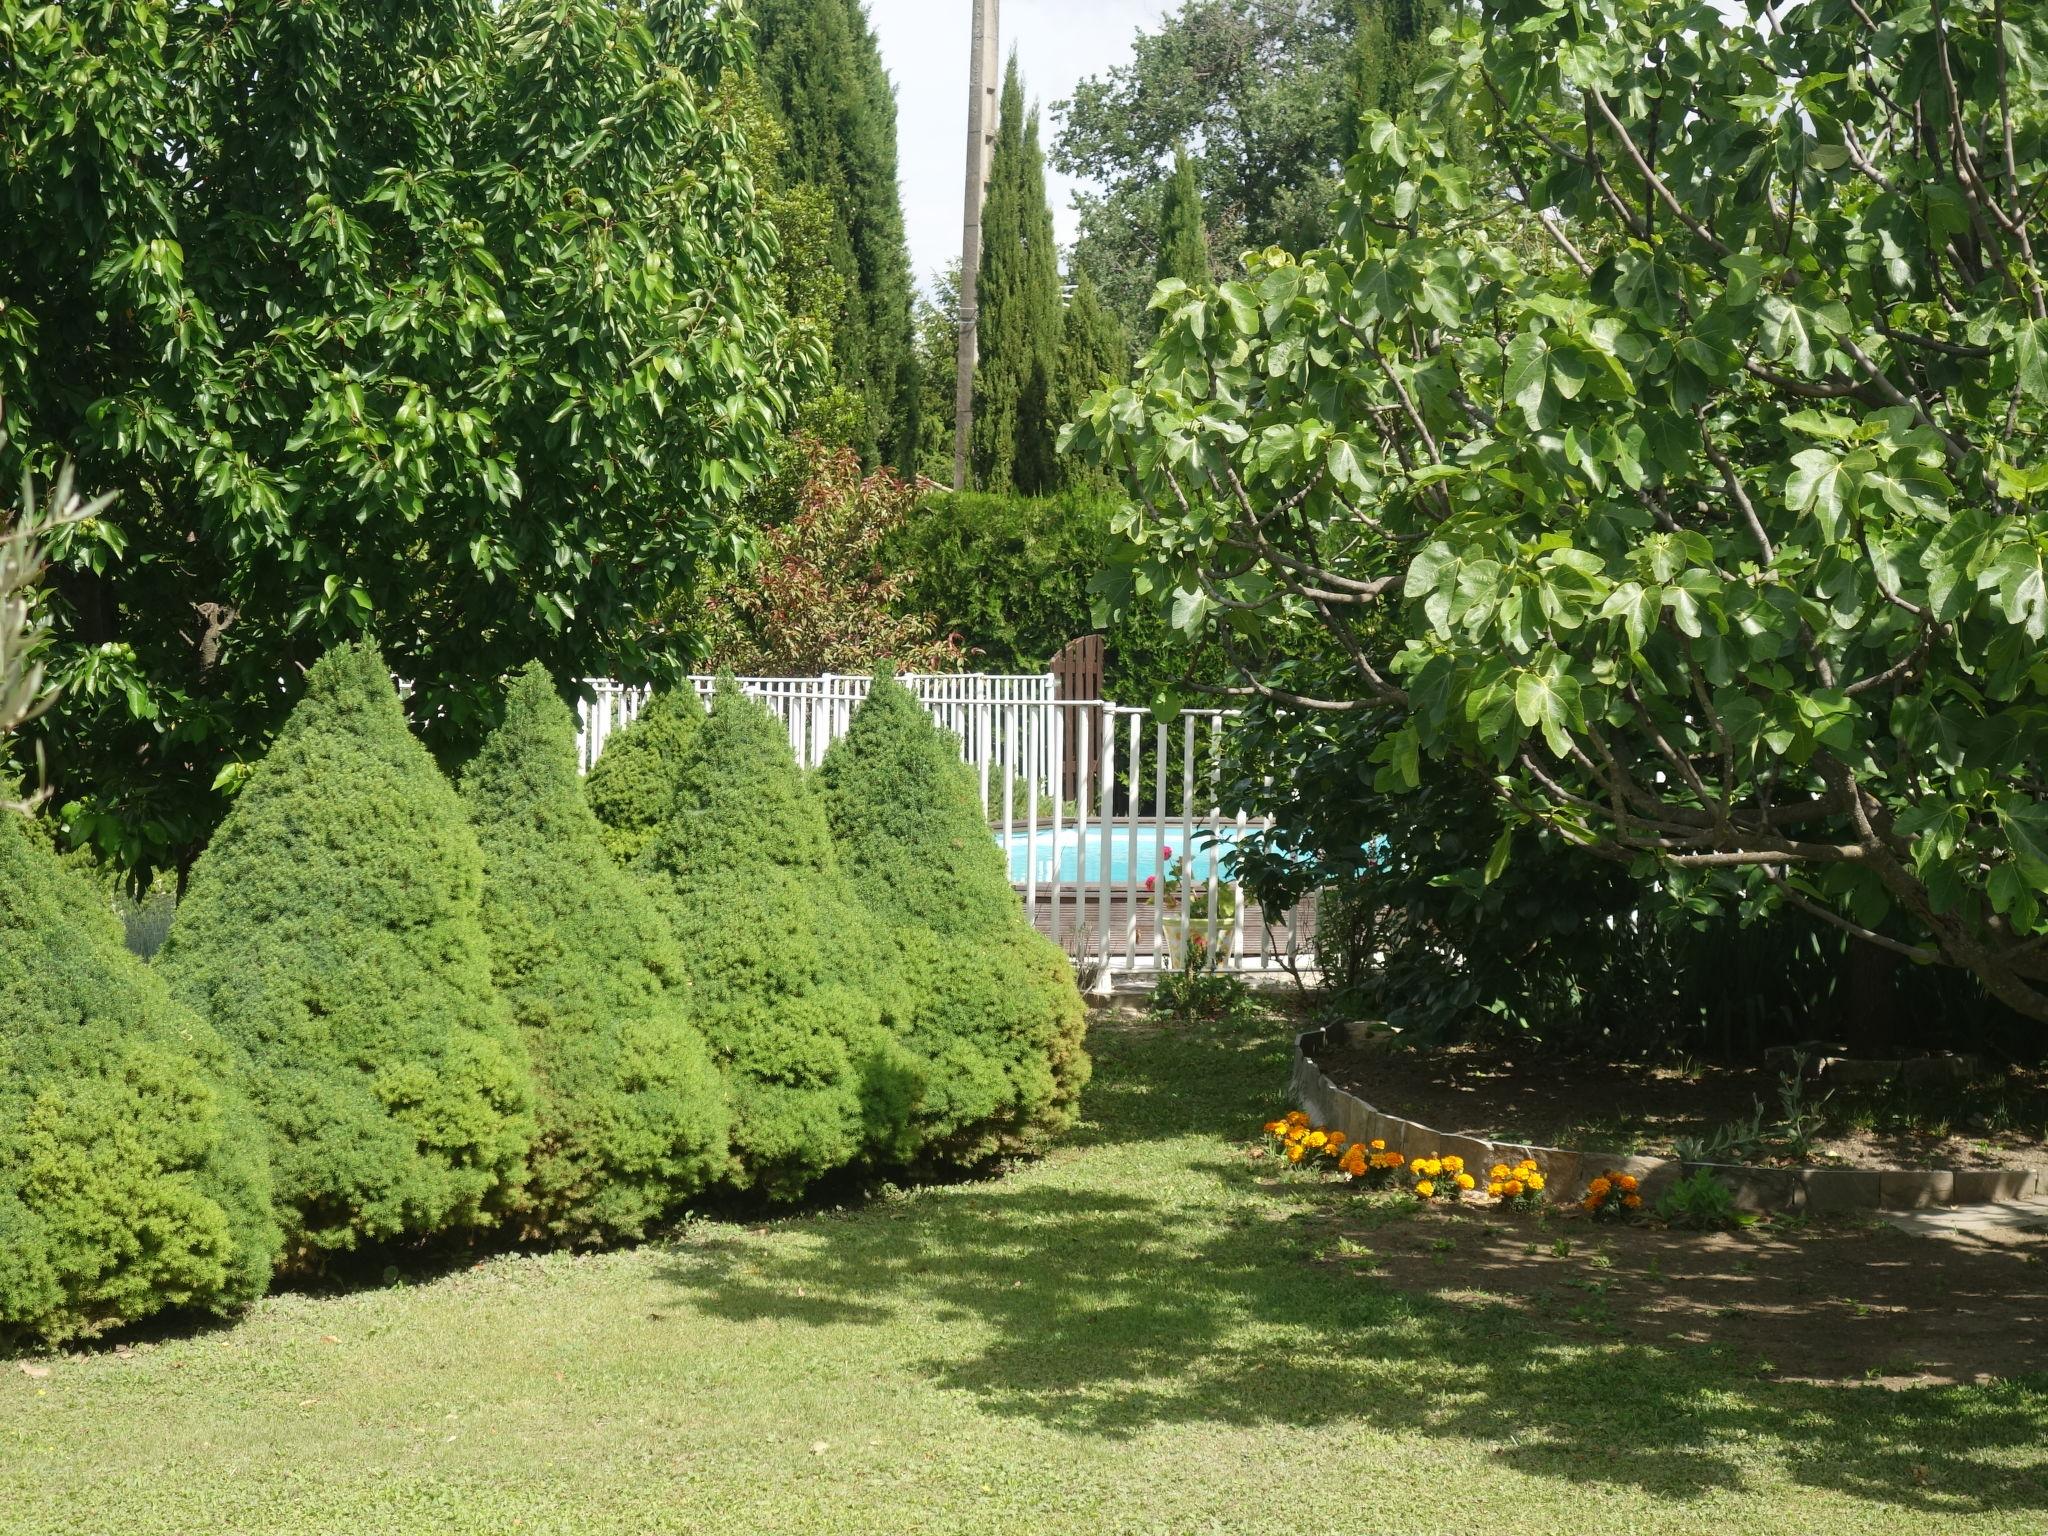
point(1129, 849)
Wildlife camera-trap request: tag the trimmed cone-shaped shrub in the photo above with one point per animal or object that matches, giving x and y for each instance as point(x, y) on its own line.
point(333, 931)
point(632, 786)
point(790, 982)
point(132, 1177)
point(630, 1110)
point(994, 1006)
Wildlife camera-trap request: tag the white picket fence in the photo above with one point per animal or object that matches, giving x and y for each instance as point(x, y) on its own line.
point(1086, 799)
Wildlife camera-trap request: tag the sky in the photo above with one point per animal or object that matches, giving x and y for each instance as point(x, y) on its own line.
point(924, 45)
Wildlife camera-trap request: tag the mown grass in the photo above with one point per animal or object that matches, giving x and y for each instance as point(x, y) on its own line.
point(1129, 1336)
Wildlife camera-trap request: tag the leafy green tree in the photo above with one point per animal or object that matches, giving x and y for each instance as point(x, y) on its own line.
point(632, 786)
point(333, 933)
point(629, 1110)
point(938, 353)
point(1267, 92)
point(790, 978)
point(1690, 496)
point(993, 1007)
point(823, 68)
point(1019, 324)
point(132, 1177)
point(1183, 240)
point(450, 318)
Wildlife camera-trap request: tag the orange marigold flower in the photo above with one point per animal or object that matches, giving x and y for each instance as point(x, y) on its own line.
point(1338, 1138)
point(1599, 1188)
point(1498, 1171)
point(1295, 1152)
point(1512, 1187)
point(1275, 1127)
point(1632, 1201)
point(1378, 1145)
point(1627, 1181)
point(1296, 1117)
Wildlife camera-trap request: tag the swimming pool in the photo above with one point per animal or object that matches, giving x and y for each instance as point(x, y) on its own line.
point(1130, 850)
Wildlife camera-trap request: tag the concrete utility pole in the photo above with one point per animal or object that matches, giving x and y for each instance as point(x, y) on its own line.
point(982, 77)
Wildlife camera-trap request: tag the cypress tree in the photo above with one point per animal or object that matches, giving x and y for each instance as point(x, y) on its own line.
point(1095, 352)
point(822, 68)
point(132, 1176)
point(1019, 324)
point(630, 1111)
point(1183, 242)
point(789, 976)
point(332, 932)
point(993, 1005)
point(633, 783)
point(1391, 53)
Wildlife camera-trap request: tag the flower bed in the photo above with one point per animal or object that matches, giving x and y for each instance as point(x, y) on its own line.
point(1568, 1175)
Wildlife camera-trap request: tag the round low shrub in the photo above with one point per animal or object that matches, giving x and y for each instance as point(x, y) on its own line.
point(333, 932)
point(132, 1177)
point(790, 979)
point(992, 1004)
point(632, 785)
point(630, 1111)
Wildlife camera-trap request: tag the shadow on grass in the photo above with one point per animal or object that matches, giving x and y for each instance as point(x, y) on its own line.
point(1099, 1300)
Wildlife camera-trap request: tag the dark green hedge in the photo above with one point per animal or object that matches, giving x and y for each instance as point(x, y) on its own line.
point(631, 1111)
point(993, 1005)
point(633, 783)
point(791, 984)
point(1012, 576)
point(132, 1176)
point(333, 933)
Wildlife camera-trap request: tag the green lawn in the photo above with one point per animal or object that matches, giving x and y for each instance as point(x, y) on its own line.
point(1130, 1336)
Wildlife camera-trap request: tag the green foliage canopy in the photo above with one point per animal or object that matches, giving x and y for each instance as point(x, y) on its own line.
point(1019, 324)
point(629, 1110)
point(1691, 494)
point(132, 1176)
point(332, 932)
point(451, 315)
point(992, 1006)
point(822, 66)
point(1183, 241)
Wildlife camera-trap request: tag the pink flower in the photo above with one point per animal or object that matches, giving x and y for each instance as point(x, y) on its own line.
point(1151, 881)
point(1169, 853)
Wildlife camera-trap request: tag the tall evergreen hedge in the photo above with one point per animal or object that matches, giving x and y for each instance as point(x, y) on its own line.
point(132, 1176)
point(993, 1004)
point(333, 932)
point(791, 984)
point(633, 783)
point(630, 1110)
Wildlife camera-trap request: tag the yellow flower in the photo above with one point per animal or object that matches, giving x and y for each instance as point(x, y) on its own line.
point(1599, 1188)
point(1295, 1152)
point(1296, 1117)
point(1424, 1188)
point(1494, 1189)
point(1378, 1145)
point(1275, 1127)
point(1533, 1180)
point(1498, 1171)
point(1465, 1181)
point(1454, 1165)
point(1296, 1132)
point(1316, 1141)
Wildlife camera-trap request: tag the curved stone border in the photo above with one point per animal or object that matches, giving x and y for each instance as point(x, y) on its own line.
point(1812, 1190)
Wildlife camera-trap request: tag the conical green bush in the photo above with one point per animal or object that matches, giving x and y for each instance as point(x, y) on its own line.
point(632, 786)
point(630, 1110)
point(333, 932)
point(132, 1177)
point(993, 1004)
point(790, 983)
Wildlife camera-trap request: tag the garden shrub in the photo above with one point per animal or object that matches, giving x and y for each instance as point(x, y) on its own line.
point(630, 1110)
point(132, 1177)
point(333, 931)
point(633, 783)
point(993, 1005)
point(790, 978)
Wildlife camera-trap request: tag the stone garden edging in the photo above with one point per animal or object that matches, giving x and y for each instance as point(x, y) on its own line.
point(1810, 1190)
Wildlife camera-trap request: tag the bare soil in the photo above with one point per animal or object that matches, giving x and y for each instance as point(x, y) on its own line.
point(2000, 1121)
point(1852, 1302)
